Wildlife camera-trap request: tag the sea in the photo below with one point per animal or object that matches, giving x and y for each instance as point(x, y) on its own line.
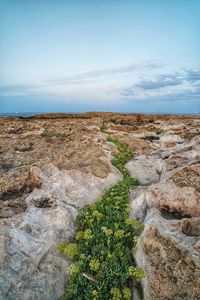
point(30, 114)
point(18, 114)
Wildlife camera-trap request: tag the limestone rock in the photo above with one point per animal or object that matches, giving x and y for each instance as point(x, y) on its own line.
point(175, 202)
point(171, 272)
point(50, 167)
point(31, 266)
point(146, 171)
point(188, 176)
point(169, 248)
point(191, 227)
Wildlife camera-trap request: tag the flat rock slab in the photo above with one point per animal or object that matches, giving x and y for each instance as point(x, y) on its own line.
point(145, 170)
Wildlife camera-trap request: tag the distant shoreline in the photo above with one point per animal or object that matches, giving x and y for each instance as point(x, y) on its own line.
point(89, 115)
point(63, 114)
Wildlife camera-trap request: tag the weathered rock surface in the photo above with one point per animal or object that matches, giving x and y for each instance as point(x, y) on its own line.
point(31, 266)
point(39, 199)
point(169, 208)
point(146, 171)
point(50, 168)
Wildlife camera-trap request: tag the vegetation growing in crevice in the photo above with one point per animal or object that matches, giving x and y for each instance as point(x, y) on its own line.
point(103, 127)
point(102, 247)
point(123, 157)
point(159, 131)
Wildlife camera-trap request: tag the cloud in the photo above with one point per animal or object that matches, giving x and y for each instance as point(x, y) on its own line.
point(192, 75)
point(160, 82)
point(183, 102)
point(144, 82)
point(183, 84)
point(95, 74)
point(79, 79)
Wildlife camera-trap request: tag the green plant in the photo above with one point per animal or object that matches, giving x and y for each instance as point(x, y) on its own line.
point(102, 247)
point(123, 157)
point(24, 163)
point(115, 294)
point(159, 131)
point(94, 264)
point(70, 249)
point(126, 293)
point(136, 272)
point(49, 134)
point(103, 127)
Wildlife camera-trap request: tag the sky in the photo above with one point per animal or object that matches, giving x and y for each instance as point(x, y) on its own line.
point(108, 55)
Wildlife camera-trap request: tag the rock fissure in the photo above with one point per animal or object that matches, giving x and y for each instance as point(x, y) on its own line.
point(93, 238)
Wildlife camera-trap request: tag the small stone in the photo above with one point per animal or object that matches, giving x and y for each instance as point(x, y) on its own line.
point(27, 228)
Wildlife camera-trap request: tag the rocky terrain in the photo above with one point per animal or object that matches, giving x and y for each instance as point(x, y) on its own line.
point(53, 165)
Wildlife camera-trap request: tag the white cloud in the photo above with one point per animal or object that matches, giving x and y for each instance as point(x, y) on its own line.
point(143, 80)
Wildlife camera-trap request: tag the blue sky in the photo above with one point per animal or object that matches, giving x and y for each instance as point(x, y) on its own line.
point(108, 55)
